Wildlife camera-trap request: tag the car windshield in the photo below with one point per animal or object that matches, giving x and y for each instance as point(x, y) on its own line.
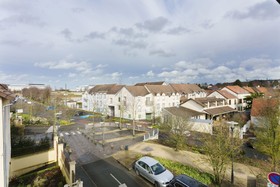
point(158, 168)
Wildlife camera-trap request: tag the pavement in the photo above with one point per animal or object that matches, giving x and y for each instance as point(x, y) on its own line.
point(243, 175)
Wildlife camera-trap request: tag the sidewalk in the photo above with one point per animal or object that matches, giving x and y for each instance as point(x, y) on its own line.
point(242, 173)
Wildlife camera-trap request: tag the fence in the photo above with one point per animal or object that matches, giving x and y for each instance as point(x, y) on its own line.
point(67, 166)
point(151, 135)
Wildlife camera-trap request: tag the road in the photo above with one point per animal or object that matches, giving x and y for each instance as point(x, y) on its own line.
point(95, 166)
point(107, 172)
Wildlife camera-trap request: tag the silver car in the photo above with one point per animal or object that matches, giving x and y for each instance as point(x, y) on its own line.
point(153, 171)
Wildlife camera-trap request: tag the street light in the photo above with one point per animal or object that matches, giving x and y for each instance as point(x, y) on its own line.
point(232, 123)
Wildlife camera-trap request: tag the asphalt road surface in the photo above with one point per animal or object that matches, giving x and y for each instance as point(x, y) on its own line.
point(108, 173)
point(94, 164)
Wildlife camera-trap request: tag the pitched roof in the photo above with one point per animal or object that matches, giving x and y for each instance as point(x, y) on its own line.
point(160, 89)
point(5, 93)
point(266, 91)
point(106, 88)
point(219, 110)
point(204, 100)
point(182, 112)
point(186, 88)
point(137, 90)
point(115, 89)
point(226, 94)
point(249, 89)
point(150, 83)
point(261, 103)
point(237, 89)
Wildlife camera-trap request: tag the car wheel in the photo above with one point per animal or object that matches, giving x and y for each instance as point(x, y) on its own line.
point(136, 171)
point(156, 184)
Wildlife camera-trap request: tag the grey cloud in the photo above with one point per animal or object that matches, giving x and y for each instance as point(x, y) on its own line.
point(178, 30)
point(78, 10)
point(263, 11)
point(128, 32)
point(130, 43)
point(22, 19)
point(94, 35)
point(15, 43)
point(162, 53)
point(67, 34)
point(207, 24)
point(153, 25)
point(258, 63)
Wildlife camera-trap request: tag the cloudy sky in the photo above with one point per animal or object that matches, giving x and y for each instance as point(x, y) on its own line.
point(88, 42)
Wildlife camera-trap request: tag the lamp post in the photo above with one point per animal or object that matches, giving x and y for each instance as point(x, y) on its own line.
point(232, 123)
point(232, 173)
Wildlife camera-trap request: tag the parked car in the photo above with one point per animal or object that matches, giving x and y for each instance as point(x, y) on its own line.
point(153, 171)
point(185, 181)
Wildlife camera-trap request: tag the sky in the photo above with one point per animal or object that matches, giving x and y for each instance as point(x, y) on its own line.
point(70, 43)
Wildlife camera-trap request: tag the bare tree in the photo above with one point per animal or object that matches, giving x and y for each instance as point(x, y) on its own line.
point(219, 149)
point(268, 131)
point(177, 128)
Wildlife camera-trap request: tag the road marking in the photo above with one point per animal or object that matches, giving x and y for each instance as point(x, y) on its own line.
point(78, 132)
point(73, 133)
point(61, 134)
point(88, 176)
point(115, 178)
point(66, 133)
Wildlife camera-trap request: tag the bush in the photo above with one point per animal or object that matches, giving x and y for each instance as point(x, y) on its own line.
point(178, 168)
point(52, 175)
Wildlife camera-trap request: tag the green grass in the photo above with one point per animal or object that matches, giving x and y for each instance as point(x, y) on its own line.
point(177, 168)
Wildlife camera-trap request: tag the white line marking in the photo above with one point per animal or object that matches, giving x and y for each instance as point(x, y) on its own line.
point(73, 133)
point(66, 133)
point(61, 134)
point(88, 176)
point(78, 132)
point(115, 178)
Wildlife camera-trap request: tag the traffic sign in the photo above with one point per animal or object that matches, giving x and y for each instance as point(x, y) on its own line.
point(274, 178)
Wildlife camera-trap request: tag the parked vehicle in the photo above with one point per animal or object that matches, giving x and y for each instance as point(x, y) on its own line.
point(153, 171)
point(185, 181)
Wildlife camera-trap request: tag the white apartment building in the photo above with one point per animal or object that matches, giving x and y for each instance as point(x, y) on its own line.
point(240, 93)
point(230, 99)
point(188, 91)
point(143, 101)
point(5, 135)
point(213, 108)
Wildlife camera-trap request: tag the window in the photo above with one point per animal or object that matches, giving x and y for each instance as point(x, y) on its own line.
point(229, 102)
point(119, 99)
point(158, 168)
point(176, 184)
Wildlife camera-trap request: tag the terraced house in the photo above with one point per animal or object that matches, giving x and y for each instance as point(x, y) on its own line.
point(140, 101)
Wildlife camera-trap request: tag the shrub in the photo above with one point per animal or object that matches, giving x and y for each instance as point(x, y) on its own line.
point(178, 168)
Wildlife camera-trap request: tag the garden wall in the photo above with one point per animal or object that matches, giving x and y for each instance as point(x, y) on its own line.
point(24, 164)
